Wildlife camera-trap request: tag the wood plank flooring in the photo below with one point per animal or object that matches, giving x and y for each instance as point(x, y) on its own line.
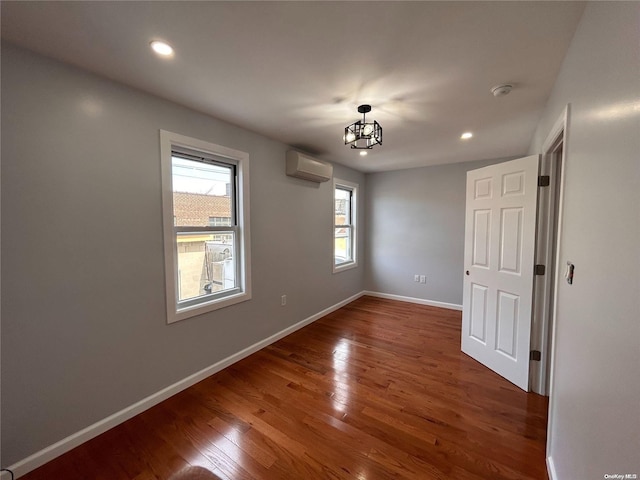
point(376, 390)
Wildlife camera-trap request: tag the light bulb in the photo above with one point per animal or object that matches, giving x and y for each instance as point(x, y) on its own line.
point(162, 48)
point(466, 135)
point(350, 137)
point(363, 153)
point(368, 129)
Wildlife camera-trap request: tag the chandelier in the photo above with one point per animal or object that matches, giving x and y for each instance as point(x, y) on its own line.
point(362, 134)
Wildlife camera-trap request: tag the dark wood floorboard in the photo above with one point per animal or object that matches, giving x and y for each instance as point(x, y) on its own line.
point(376, 390)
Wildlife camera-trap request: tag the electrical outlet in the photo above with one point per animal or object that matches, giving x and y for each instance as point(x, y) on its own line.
point(283, 300)
point(416, 278)
point(423, 279)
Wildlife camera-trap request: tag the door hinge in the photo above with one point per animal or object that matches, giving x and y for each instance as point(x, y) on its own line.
point(540, 269)
point(544, 181)
point(535, 355)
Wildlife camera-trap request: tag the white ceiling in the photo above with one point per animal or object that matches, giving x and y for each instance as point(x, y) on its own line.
point(296, 71)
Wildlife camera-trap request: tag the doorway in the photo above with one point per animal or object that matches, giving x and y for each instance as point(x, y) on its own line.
point(511, 275)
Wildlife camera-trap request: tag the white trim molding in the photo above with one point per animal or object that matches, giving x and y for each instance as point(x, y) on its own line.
point(47, 454)
point(551, 469)
point(420, 301)
point(561, 126)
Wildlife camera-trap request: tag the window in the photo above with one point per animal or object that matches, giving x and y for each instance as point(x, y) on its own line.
point(344, 225)
point(206, 225)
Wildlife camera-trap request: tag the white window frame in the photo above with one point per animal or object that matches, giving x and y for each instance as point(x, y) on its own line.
point(169, 142)
point(353, 187)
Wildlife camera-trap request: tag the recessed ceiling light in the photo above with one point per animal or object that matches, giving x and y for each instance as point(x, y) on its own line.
point(161, 48)
point(363, 153)
point(466, 135)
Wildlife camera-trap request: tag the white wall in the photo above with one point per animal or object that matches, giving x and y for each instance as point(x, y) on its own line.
point(84, 330)
point(415, 225)
point(595, 399)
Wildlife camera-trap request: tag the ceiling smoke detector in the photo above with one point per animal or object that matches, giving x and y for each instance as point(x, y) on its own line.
point(501, 90)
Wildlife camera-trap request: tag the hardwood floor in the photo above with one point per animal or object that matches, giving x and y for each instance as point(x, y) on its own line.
point(376, 390)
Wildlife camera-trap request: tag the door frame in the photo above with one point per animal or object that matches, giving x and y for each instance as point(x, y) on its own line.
point(546, 293)
point(560, 128)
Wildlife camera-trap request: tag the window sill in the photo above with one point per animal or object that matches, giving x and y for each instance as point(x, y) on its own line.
point(195, 310)
point(344, 266)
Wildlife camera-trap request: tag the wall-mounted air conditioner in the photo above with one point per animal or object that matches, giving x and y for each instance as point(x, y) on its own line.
point(302, 166)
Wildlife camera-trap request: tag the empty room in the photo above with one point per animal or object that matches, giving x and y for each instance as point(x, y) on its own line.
point(320, 240)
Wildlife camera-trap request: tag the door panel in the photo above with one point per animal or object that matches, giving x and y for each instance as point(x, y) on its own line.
point(498, 284)
point(481, 237)
point(511, 240)
point(478, 320)
point(483, 188)
point(508, 307)
point(513, 184)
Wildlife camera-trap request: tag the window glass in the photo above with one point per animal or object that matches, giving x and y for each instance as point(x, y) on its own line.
point(202, 198)
point(200, 192)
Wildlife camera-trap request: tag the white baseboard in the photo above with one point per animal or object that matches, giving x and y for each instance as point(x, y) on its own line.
point(421, 301)
point(551, 469)
point(52, 451)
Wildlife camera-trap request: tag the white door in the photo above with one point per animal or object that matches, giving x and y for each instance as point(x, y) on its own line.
point(499, 252)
